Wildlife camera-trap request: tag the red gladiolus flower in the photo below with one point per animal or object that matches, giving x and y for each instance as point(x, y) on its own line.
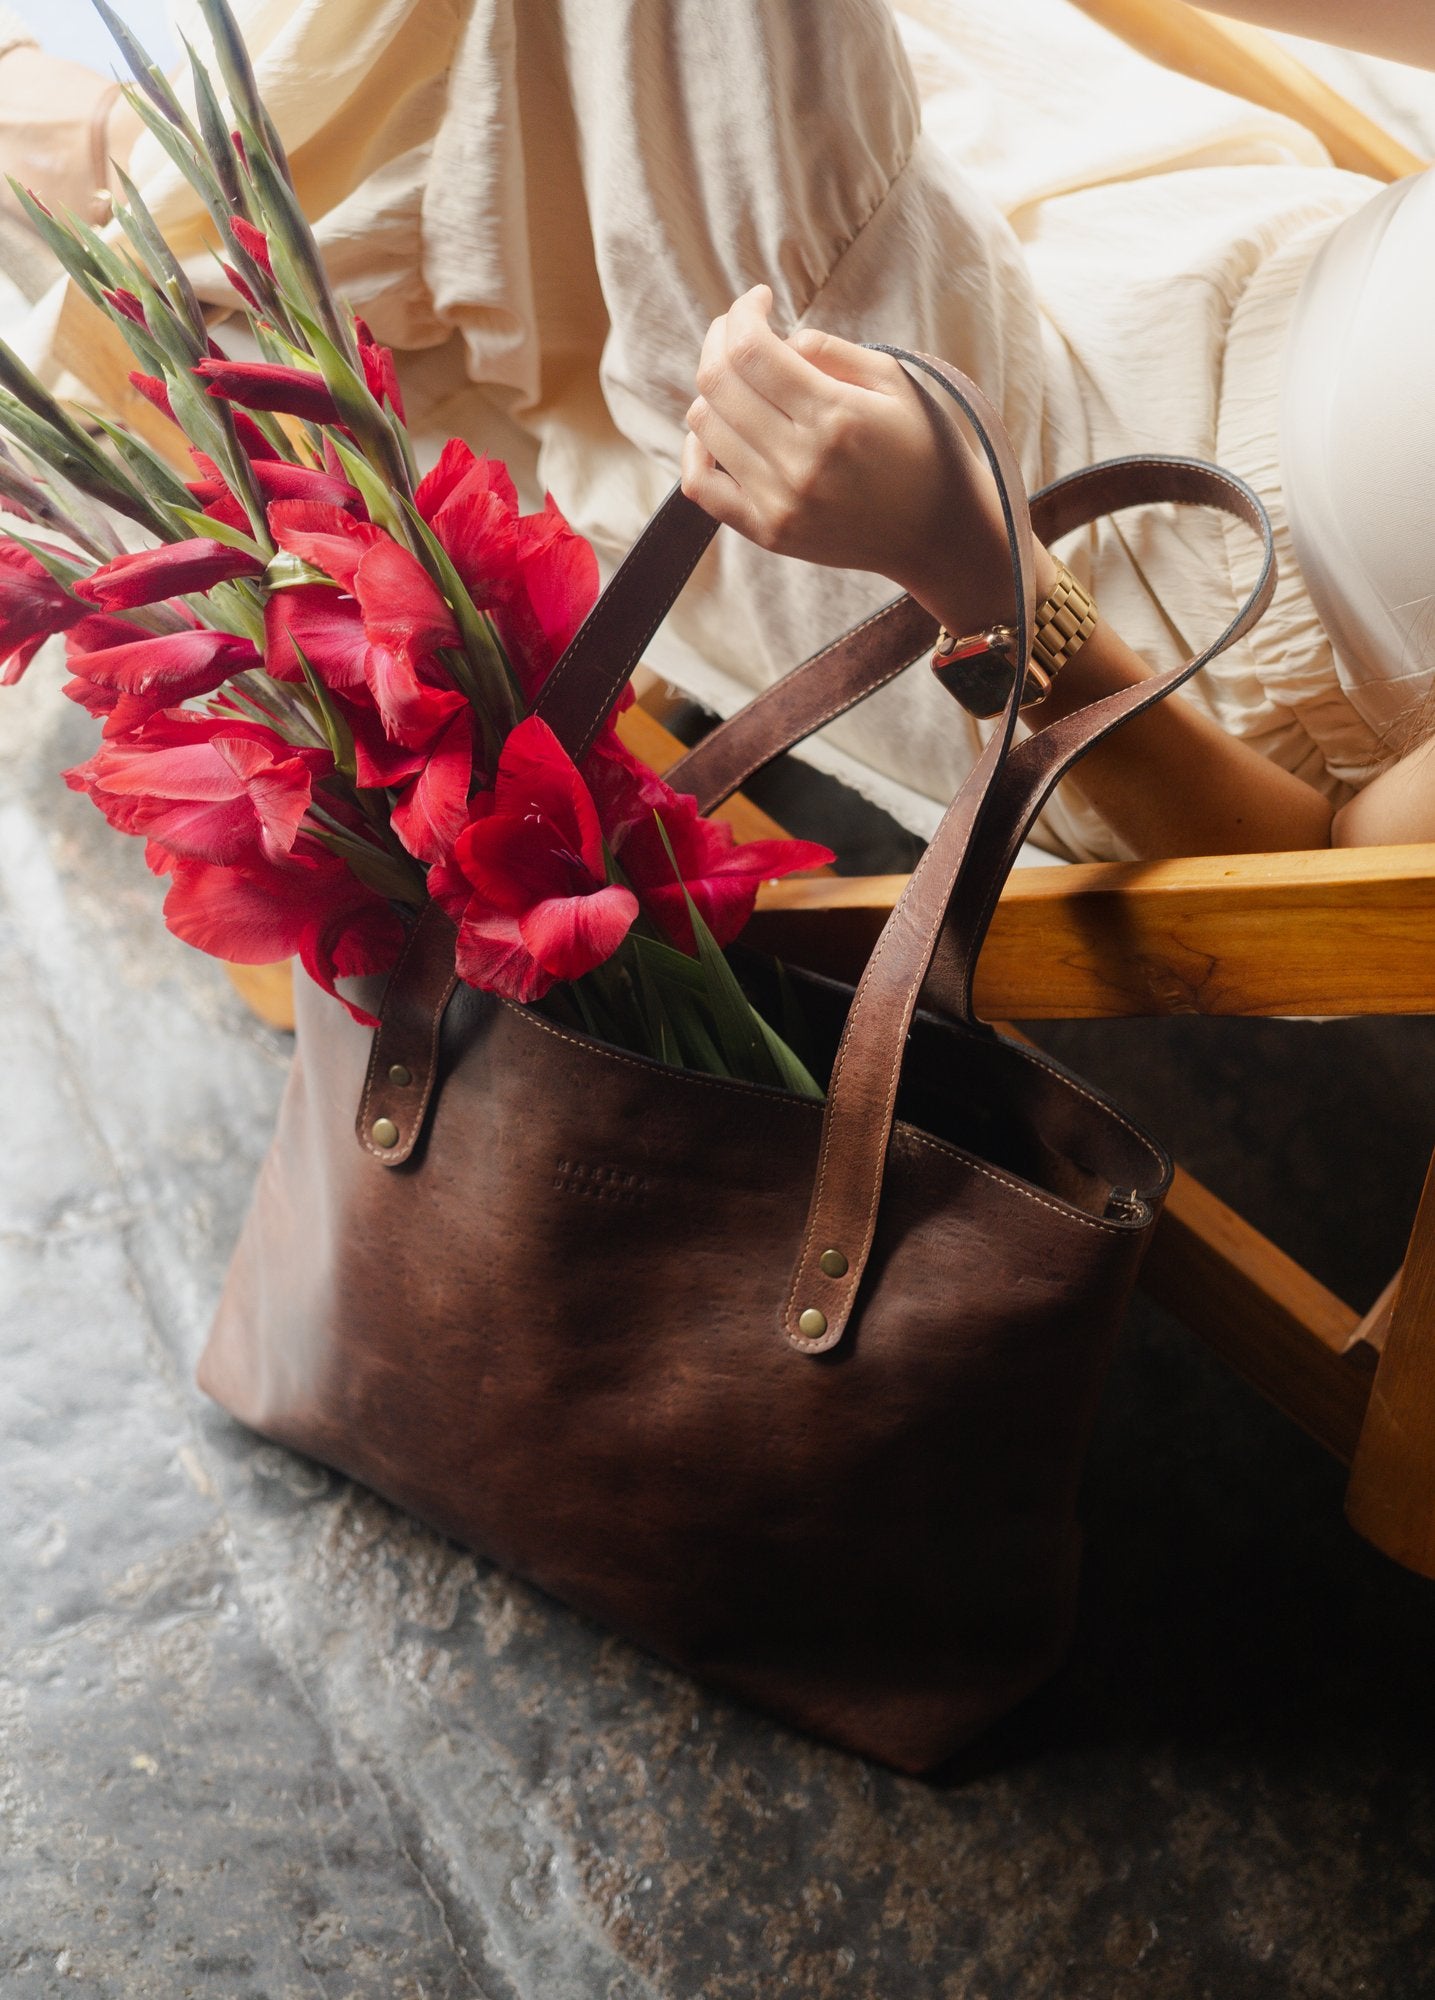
point(213, 788)
point(151, 575)
point(267, 385)
point(404, 613)
point(261, 911)
point(721, 876)
point(168, 666)
point(527, 883)
point(32, 608)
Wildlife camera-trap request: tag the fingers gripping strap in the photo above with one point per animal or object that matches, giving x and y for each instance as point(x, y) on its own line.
point(862, 1095)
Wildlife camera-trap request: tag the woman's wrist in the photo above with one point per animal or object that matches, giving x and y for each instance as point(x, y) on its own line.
point(965, 605)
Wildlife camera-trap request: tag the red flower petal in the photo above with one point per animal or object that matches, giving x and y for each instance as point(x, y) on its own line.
point(204, 786)
point(326, 624)
point(259, 912)
point(266, 385)
point(173, 664)
point(32, 608)
point(490, 953)
point(460, 472)
point(403, 607)
point(151, 575)
point(721, 876)
point(537, 778)
point(433, 808)
point(412, 710)
point(569, 935)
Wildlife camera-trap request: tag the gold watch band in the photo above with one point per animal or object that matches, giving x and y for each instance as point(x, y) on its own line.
point(1065, 620)
point(978, 670)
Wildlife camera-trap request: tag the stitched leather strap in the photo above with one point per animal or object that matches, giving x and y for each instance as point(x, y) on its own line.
point(403, 1059)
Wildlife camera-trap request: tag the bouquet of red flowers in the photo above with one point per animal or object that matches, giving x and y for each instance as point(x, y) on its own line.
point(315, 677)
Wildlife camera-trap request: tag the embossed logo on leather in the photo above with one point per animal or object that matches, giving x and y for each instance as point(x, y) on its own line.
point(609, 1184)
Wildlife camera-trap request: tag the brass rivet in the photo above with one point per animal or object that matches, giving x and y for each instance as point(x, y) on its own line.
point(813, 1324)
point(400, 1074)
point(832, 1264)
point(384, 1132)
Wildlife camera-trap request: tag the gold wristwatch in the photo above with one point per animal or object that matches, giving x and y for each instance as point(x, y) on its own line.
point(978, 670)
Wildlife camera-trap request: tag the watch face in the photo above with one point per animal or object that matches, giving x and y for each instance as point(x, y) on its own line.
point(978, 673)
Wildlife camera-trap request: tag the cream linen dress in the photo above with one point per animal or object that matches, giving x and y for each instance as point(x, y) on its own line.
point(544, 203)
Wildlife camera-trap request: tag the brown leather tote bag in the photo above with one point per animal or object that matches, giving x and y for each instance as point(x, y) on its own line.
point(795, 1395)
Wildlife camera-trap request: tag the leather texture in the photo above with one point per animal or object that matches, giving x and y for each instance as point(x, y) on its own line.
point(560, 1315)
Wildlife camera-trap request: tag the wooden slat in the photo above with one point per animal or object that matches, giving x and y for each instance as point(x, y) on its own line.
point(1249, 63)
point(268, 990)
point(1340, 931)
point(1391, 1496)
point(1267, 1318)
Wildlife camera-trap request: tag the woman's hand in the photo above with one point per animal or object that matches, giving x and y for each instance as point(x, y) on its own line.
point(818, 448)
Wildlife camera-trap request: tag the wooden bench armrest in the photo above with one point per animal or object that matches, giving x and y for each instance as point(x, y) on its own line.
point(1333, 931)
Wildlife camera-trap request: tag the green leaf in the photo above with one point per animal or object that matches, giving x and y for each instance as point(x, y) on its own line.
point(214, 133)
point(86, 470)
point(183, 151)
point(217, 531)
point(378, 497)
point(144, 232)
point(62, 241)
point(234, 64)
point(498, 688)
point(146, 71)
point(156, 480)
point(337, 733)
point(792, 1072)
point(27, 389)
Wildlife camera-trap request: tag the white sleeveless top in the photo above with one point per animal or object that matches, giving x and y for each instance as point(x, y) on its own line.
point(1357, 444)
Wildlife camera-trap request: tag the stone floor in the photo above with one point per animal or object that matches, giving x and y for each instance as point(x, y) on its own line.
point(262, 1736)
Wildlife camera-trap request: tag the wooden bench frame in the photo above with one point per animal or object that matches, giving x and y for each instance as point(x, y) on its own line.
point(1350, 932)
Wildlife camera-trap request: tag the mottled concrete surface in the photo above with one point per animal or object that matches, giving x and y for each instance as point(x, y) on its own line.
point(264, 1737)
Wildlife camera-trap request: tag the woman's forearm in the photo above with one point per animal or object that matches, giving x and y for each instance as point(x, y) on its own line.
point(1404, 30)
point(1171, 781)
